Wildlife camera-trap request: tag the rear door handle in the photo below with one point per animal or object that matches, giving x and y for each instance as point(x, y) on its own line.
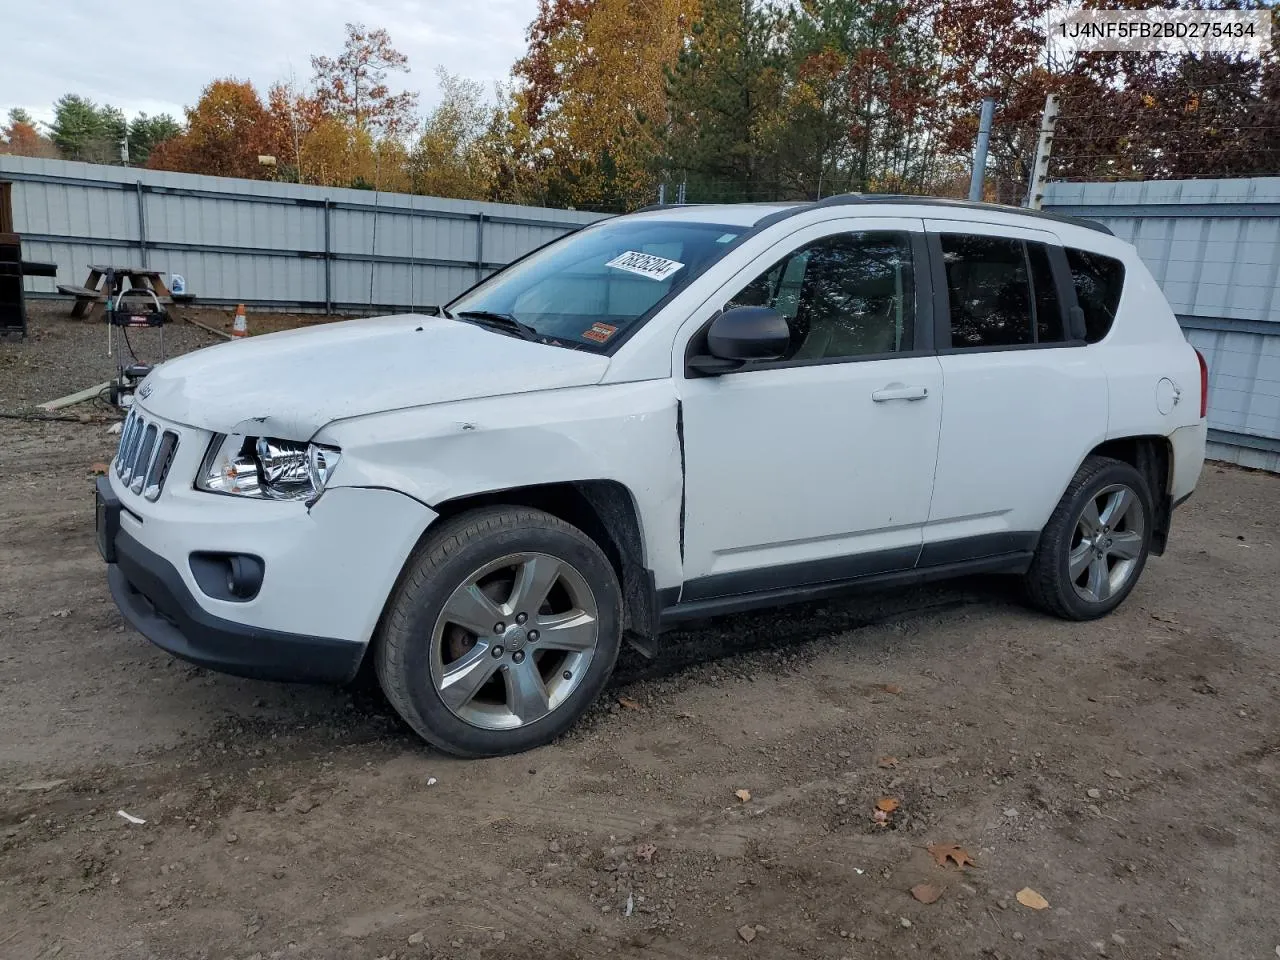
point(899, 391)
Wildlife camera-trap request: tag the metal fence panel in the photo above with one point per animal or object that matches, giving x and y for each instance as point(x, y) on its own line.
point(1214, 248)
point(271, 245)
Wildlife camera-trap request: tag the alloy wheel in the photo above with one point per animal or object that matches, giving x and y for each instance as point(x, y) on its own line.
point(1107, 544)
point(514, 640)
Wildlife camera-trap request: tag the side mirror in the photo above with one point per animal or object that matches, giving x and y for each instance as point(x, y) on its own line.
point(741, 334)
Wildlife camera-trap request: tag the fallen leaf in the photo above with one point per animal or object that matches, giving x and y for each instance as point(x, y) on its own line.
point(926, 892)
point(1029, 898)
point(887, 804)
point(629, 703)
point(646, 851)
point(888, 763)
point(942, 852)
point(892, 688)
point(743, 795)
point(98, 469)
point(747, 932)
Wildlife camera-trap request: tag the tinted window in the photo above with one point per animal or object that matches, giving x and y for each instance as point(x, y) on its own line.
point(592, 285)
point(848, 295)
point(1049, 326)
point(1001, 292)
point(1098, 281)
point(989, 291)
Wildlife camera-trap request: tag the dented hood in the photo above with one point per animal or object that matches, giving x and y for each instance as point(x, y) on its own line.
point(291, 384)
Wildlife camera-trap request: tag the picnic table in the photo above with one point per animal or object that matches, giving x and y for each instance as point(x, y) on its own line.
point(93, 294)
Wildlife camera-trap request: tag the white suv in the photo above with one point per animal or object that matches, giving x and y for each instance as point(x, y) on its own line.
point(678, 413)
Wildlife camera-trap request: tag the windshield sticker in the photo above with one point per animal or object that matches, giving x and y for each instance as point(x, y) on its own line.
point(599, 332)
point(727, 238)
point(645, 264)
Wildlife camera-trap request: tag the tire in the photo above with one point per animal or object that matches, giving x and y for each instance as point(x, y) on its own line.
point(1107, 556)
point(479, 689)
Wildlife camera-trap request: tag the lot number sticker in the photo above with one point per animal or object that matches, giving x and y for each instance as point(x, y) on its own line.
point(645, 264)
point(599, 332)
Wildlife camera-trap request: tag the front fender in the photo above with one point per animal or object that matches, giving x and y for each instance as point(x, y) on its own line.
point(620, 432)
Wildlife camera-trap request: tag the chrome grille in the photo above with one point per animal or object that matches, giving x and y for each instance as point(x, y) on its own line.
point(145, 455)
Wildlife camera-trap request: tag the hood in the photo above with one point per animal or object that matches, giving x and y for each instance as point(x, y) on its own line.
point(291, 384)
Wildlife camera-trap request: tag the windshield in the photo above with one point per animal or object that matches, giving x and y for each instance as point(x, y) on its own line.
point(589, 288)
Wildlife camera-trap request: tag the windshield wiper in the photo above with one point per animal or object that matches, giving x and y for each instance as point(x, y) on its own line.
point(500, 321)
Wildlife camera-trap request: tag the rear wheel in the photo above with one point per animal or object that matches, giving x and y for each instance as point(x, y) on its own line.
point(1096, 543)
point(504, 628)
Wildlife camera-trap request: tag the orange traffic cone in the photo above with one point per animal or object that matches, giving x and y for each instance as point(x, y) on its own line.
point(240, 325)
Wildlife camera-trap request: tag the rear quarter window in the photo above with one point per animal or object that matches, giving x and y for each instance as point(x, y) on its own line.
point(1099, 281)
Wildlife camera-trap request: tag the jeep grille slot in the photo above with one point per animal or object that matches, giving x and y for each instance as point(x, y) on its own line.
point(145, 455)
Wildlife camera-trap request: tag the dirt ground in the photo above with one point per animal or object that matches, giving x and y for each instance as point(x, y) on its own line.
point(1127, 770)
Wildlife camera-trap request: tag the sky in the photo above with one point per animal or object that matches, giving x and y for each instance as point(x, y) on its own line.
point(155, 56)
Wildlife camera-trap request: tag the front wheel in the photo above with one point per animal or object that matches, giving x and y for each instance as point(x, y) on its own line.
point(1095, 544)
point(503, 630)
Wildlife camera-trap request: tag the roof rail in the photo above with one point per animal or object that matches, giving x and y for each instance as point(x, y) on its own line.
point(842, 199)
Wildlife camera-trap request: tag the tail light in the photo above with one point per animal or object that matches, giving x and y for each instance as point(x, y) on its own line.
point(1204, 385)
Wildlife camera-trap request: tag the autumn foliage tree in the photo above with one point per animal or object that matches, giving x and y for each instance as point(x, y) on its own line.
point(20, 138)
point(353, 85)
point(227, 130)
point(591, 100)
point(450, 157)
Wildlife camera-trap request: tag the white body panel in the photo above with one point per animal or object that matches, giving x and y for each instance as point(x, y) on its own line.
point(1015, 426)
point(291, 384)
point(622, 432)
point(796, 465)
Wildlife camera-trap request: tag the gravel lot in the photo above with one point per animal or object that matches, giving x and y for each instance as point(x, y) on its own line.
point(1127, 770)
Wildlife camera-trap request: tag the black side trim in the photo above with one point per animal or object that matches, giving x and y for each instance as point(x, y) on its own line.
point(668, 597)
point(153, 597)
point(698, 609)
point(946, 552)
point(794, 575)
point(1068, 302)
point(1181, 500)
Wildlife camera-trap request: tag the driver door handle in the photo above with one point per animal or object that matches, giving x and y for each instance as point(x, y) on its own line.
point(899, 391)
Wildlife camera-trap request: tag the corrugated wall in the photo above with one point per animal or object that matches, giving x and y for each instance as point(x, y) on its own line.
point(1214, 248)
point(272, 245)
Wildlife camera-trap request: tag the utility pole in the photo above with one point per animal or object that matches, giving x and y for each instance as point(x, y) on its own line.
point(1044, 147)
point(980, 148)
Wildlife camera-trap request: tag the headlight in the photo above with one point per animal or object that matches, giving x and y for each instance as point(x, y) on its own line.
point(266, 468)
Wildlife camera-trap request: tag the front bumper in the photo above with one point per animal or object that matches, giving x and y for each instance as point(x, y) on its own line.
point(152, 596)
point(326, 570)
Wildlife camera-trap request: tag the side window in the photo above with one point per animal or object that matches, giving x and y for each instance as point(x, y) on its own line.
point(1001, 292)
point(848, 295)
point(1098, 281)
point(989, 291)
